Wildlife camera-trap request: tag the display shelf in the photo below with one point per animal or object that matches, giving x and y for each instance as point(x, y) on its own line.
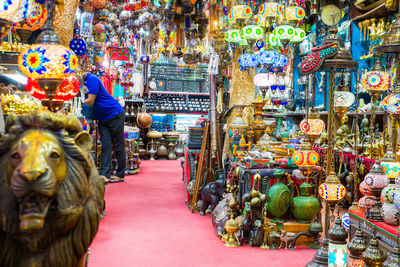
point(8, 58)
point(380, 10)
point(179, 93)
point(385, 232)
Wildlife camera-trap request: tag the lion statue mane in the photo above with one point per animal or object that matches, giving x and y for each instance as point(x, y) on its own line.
point(51, 195)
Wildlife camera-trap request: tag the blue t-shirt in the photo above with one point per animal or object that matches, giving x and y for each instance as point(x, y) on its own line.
point(105, 106)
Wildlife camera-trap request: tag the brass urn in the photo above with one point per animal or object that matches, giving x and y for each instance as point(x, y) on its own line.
point(374, 256)
point(231, 226)
point(356, 248)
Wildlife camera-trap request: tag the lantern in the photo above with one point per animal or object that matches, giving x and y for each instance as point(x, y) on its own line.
point(24, 10)
point(356, 247)
point(270, 10)
point(69, 89)
point(312, 127)
point(299, 36)
point(268, 57)
point(248, 61)
point(305, 158)
point(233, 36)
point(342, 101)
point(280, 61)
point(36, 19)
point(264, 80)
point(337, 248)
point(78, 46)
point(332, 190)
point(240, 13)
point(252, 32)
point(391, 104)
point(47, 61)
point(376, 179)
point(377, 80)
point(259, 20)
point(273, 41)
point(294, 13)
point(285, 33)
point(390, 164)
point(389, 192)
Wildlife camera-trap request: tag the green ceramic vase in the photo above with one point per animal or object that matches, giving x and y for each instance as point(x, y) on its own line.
point(279, 197)
point(305, 207)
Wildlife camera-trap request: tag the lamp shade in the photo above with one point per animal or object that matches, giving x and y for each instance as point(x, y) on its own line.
point(264, 80)
point(376, 81)
point(270, 10)
point(391, 103)
point(284, 32)
point(25, 9)
point(390, 164)
point(332, 190)
point(259, 20)
point(47, 61)
point(240, 12)
point(376, 178)
point(281, 61)
point(313, 128)
point(299, 36)
point(343, 99)
point(252, 32)
point(294, 13)
point(68, 89)
point(233, 36)
point(248, 60)
point(268, 57)
point(273, 40)
point(305, 158)
point(8, 7)
point(389, 192)
point(36, 19)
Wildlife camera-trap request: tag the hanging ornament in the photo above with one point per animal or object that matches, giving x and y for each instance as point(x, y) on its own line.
point(35, 21)
point(78, 46)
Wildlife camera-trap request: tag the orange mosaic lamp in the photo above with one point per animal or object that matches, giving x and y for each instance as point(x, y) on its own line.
point(305, 158)
point(313, 126)
point(332, 190)
point(377, 80)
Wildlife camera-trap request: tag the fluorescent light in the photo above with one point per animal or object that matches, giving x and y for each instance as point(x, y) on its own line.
point(18, 77)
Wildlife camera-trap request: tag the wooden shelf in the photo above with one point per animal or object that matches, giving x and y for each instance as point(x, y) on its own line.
point(8, 58)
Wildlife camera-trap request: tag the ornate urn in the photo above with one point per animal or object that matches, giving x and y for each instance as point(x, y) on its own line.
point(305, 207)
point(144, 120)
point(374, 256)
point(162, 151)
point(356, 248)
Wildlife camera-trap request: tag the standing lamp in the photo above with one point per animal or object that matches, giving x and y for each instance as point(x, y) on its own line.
point(48, 61)
point(337, 244)
point(374, 256)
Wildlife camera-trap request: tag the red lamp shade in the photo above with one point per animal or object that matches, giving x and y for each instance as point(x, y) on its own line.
point(305, 158)
point(68, 89)
point(313, 128)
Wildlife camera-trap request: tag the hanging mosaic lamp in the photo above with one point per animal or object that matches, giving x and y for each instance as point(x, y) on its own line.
point(259, 20)
point(294, 13)
point(78, 46)
point(48, 61)
point(377, 80)
point(68, 89)
point(332, 190)
point(271, 9)
point(391, 103)
point(337, 249)
point(264, 79)
point(233, 36)
point(285, 33)
point(252, 32)
point(273, 40)
point(280, 62)
point(312, 127)
point(305, 158)
point(240, 13)
point(299, 36)
point(248, 60)
point(343, 99)
point(268, 57)
point(36, 19)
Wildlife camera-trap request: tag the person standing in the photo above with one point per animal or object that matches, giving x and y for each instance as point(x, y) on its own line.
point(111, 117)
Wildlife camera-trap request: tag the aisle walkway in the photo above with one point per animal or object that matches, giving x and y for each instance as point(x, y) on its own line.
point(148, 224)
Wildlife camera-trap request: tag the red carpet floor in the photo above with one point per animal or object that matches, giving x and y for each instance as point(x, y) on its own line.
point(148, 224)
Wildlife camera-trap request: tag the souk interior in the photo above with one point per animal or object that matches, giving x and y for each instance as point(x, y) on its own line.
point(255, 132)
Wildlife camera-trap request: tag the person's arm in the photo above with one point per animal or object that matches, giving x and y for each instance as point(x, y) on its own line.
point(90, 100)
point(93, 86)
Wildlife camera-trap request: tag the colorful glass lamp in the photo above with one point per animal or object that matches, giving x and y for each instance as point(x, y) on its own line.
point(252, 33)
point(376, 81)
point(390, 164)
point(270, 11)
point(285, 33)
point(48, 61)
point(240, 13)
point(332, 190)
point(305, 158)
point(233, 36)
point(337, 244)
point(294, 13)
point(312, 126)
point(343, 99)
point(299, 36)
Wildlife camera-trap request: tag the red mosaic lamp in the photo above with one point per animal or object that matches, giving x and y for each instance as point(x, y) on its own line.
point(312, 126)
point(305, 158)
point(48, 62)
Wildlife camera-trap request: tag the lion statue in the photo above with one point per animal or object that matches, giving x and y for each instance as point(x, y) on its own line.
point(51, 195)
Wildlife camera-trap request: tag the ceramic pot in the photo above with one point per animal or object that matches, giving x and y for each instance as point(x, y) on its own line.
point(305, 207)
point(389, 192)
point(390, 214)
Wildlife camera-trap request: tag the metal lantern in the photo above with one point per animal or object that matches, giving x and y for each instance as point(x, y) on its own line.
point(374, 255)
point(356, 247)
point(313, 126)
point(337, 245)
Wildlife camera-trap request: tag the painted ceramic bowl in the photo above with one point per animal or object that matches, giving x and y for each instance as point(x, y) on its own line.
point(389, 192)
point(390, 214)
point(363, 203)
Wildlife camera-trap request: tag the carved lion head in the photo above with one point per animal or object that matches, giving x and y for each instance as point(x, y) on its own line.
point(50, 192)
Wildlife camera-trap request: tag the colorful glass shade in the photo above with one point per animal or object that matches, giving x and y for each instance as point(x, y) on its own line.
point(68, 89)
point(305, 158)
point(337, 255)
point(331, 192)
point(8, 7)
point(36, 19)
point(259, 20)
point(312, 127)
point(284, 32)
point(25, 9)
point(390, 164)
point(299, 36)
point(268, 57)
point(252, 32)
point(281, 61)
point(376, 81)
point(270, 10)
point(391, 104)
point(273, 41)
point(389, 192)
point(47, 61)
point(99, 4)
point(294, 13)
point(343, 99)
point(233, 36)
point(248, 60)
point(264, 80)
point(240, 12)
point(376, 178)
point(397, 200)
